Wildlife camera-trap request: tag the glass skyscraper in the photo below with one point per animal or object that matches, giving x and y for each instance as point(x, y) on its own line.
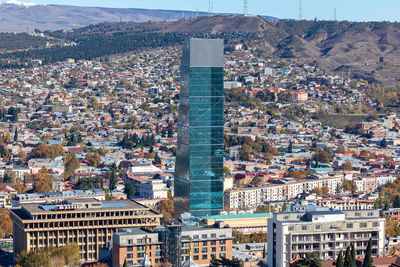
point(199, 156)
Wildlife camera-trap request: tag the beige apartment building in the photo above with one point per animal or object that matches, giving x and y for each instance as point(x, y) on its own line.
point(88, 222)
point(295, 234)
point(283, 189)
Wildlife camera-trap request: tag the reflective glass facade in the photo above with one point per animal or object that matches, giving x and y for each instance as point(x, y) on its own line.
point(199, 160)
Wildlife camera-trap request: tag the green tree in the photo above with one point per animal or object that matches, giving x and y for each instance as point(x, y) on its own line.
point(290, 147)
point(353, 256)
point(384, 143)
point(157, 159)
point(16, 135)
point(264, 253)
point(347, 259)
point(368, 262)
point(311, 260)
point(129, 190)
point(113, 180)
point(339, 260)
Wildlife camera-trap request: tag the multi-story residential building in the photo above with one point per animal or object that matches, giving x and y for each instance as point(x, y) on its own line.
point(88, 222)
point(203, 243)
point(199, 175)
point(283, 189)
point(394, 213)
point(154, 188)
point(293, 234)
point(49, 197)
point(346, 203)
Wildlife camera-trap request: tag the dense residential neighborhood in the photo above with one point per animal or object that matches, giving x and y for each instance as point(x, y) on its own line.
point(98, 139)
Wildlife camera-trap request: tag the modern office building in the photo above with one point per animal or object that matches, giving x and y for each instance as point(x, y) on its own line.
point(294, 234)
point(171, 243)
point(88, 222)
point(199, 157)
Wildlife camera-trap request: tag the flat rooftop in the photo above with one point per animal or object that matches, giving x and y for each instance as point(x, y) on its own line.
point(82, 204)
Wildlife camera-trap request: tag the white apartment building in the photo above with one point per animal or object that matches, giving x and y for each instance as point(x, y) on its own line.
point(292, 234)
point(284, 189)
point(154, 188)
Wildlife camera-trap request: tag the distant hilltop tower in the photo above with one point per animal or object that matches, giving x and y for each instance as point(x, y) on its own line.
point(245, 7)
point(300, 11)
point(210, 6)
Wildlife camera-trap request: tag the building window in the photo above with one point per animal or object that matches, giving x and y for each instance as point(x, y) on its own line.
point(196, 250)
point(375, 224)
point(204, 250)
point(291, 228)
point(213, 243)
point(195, 244)
point(222, 248)
point(129, 256)
point(222, 255)
point(363, 225)
point(140, 255)
point(185, 251)
point(304, 227)
point(357, 214)
point(130, 249)
point(213, 236)
point(213, 249)
point(222, 242)
point(205, 243)
point(196, 257)
point(204, 236)
point(204, 257)
point(317, 227)
point(140, 248)
point(349, 225)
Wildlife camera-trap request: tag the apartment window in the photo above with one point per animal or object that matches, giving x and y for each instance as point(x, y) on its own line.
point(349, 225)
point(204, 250)
point(213, 249)
point(129, 256)
point(140, 248)
point(130, 249)
point(363, 225)
point(213, 236)
point(185, 251)
point(222, 255)
point(222, 242)
point(195, 244)
point(222, 248)
point(213, 256)
point(130, 262)
point(317, 227)
point(375, 224)
point(196, 250)
point(204, 236)
point(185, 245)
point(196, 257)
point(370, 214)
point(291, 228)
point(304, 227)
point(204, 257)
point(286, 217)
point(213, 243)
point(140, 255)
point(205, 243)
point(357, 214)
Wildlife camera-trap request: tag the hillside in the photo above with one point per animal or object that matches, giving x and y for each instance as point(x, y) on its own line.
point(19, 18)
point(369, 50)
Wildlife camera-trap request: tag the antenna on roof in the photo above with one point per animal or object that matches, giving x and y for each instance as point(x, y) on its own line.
point(245, 7)
point(300, 11)
point(334, 14)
